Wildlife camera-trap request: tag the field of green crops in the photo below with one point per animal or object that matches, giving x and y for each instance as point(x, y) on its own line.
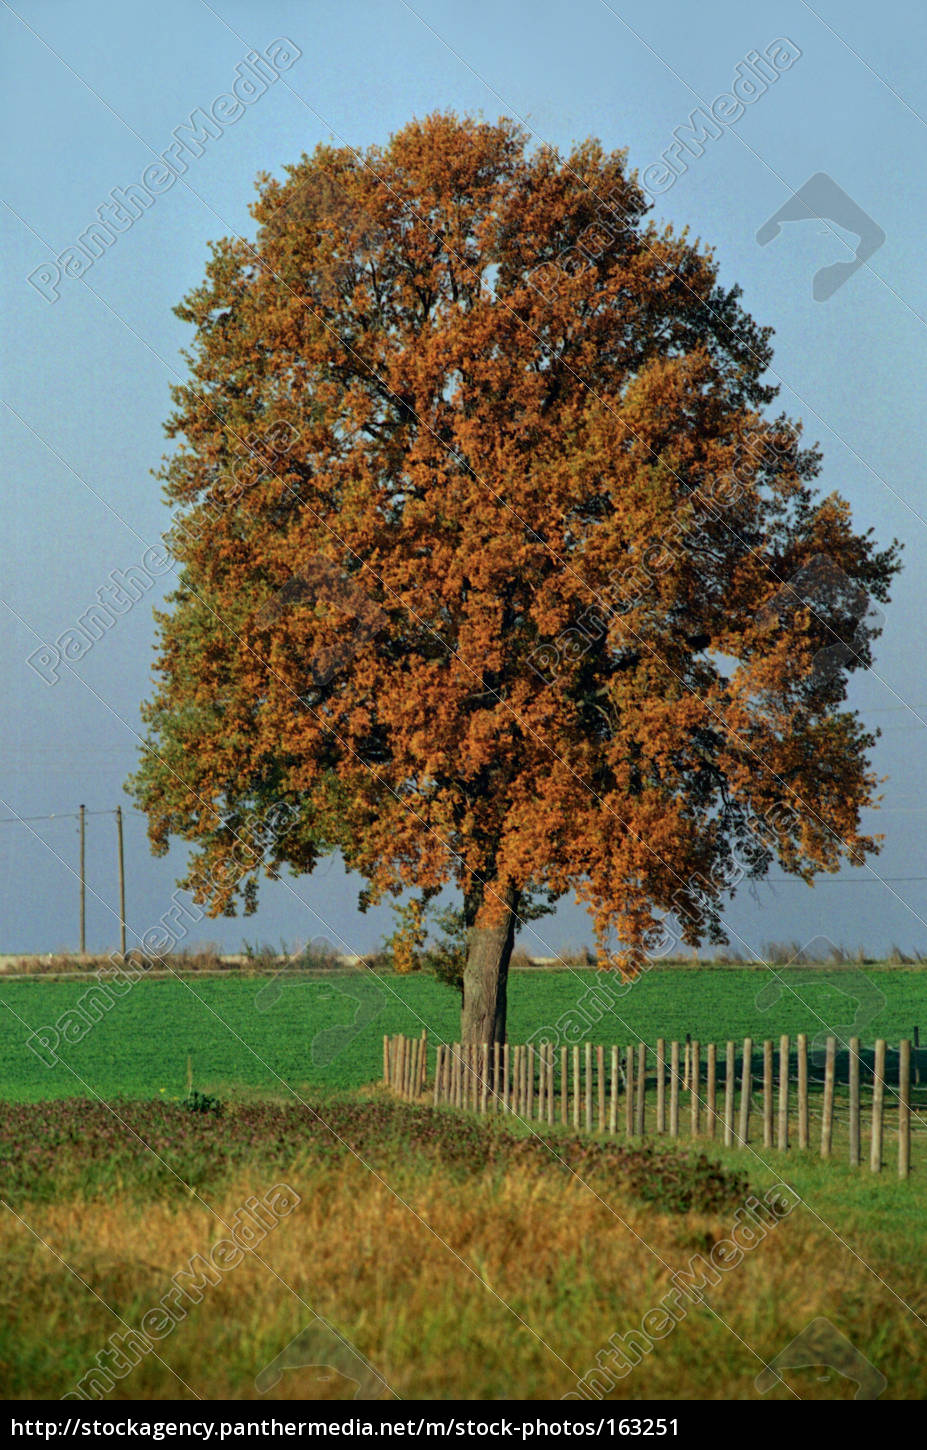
point(266, 1033)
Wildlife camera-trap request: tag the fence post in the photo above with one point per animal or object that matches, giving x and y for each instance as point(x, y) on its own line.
point(386, 1059)
point(505, 1078)
point(746, 1091)
point(730, 1067)
point(576, 1086)
point(803, 1120)
point(674, 1089)
point(783, 1133)
point(564, 1086)
point(695, 1084)
point(904, 1108)
point(588, 1056)
point(686, 1063)
point(712, 1088)
point(542, 1081)
point(600, 1073)
point(827, 1117)
point(661, 1085)
point(439, 1050)
point(484, 1085)
point(767, 1094)
point(640, 1122)
point(878, 1101)
point(854, 1133)
point(629, 1096)
point(613, 1107)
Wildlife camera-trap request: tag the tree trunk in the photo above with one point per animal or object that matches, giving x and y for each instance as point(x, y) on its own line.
point(485, 980)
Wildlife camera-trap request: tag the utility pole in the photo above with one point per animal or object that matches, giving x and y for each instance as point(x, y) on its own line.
point(122, 883)
point(83, 883)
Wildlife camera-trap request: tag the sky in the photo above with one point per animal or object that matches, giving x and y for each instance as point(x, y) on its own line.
point(92, 93)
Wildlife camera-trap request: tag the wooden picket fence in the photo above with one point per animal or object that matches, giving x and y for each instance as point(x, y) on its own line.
point(597, 1088)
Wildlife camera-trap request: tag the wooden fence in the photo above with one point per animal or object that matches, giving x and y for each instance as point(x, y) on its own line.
point(596, 1088)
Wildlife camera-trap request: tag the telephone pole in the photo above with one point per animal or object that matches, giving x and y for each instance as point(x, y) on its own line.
point(122, 882)
point(83, 883)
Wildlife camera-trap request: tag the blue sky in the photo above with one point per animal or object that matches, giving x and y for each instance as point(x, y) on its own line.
point(92, 93)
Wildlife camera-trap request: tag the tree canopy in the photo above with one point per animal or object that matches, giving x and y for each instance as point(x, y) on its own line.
point(494, 561)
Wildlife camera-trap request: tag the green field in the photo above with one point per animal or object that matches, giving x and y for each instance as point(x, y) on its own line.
point(261, 1032)
point(463, 1257)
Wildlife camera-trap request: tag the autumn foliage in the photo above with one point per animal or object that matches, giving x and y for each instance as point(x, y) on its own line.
point(486, 535)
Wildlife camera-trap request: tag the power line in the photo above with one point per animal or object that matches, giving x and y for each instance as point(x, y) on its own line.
point(21, 820)
point(839, 881)
point(55, 816)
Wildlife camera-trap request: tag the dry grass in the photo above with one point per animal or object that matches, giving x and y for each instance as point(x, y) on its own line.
point(498, 1286)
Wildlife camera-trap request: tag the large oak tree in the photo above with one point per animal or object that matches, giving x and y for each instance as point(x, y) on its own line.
point(493, 560)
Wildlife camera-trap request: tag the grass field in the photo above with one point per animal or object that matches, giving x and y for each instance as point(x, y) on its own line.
point(456, 1258)
point(448, 1256)
point(326, 1033)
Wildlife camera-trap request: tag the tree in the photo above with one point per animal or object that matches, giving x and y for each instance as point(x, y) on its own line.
point(494, 566)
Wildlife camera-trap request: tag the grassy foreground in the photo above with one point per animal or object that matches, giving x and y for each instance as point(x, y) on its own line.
point(451, 1256)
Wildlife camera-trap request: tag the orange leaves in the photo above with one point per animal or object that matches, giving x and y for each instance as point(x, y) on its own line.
point(479, 512)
